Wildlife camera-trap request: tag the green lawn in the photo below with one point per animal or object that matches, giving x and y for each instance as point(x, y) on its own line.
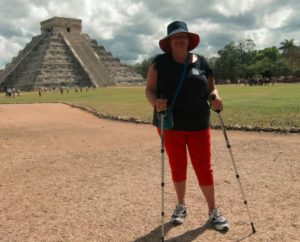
point(275, 106)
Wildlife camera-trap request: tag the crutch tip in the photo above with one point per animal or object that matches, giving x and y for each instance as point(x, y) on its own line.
point(253, 229)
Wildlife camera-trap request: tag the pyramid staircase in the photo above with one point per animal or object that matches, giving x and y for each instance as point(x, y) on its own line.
point(122, 74)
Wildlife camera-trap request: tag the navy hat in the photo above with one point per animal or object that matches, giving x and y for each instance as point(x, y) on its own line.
point(175, 28)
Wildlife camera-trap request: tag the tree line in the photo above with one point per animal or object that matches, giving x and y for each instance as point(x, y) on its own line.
point(240, 61)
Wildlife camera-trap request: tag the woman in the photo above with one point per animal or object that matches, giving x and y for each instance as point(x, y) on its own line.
point(191, 115)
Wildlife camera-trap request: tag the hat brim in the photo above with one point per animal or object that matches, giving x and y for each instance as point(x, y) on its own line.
point(164, 43)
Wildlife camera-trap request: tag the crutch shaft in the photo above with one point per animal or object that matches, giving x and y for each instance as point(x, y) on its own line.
point(162, 184)
point(235, 169)
point(213, 97)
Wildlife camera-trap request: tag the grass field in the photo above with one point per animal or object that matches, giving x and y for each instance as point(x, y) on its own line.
point(275, 106)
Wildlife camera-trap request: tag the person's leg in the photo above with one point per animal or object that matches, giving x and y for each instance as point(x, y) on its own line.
point(209, 194)
point(175, 143)
point(180, 188)
point(198, 143)
point(200, 153)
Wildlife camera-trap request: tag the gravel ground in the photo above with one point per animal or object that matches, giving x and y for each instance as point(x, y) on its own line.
point(66, 175)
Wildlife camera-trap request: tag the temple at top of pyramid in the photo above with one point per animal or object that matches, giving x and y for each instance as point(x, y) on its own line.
point(62, 55)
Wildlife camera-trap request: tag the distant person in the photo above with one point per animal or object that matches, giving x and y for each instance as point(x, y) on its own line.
point(13, 91)
point(191, 115)
point(9, 92)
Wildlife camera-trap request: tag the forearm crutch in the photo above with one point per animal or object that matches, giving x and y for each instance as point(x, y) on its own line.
point(213, 97)
point(162, 184)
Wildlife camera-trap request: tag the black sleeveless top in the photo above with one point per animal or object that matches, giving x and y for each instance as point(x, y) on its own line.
point(191, 110)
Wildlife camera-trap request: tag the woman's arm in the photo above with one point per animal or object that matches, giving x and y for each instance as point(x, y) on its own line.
point(151, 90)
point(217, 103)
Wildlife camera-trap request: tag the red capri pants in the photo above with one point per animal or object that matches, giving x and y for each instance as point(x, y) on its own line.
point(197, 143)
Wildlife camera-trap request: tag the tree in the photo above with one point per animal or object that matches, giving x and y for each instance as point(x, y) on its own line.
point(287, 46)
point(226, 64)
point(242, 61)
point(142, 68)
point(247, 54)
point(281, 69)
point(291, 54)
point(268, 63)
point(272, 53)
point(246, 51)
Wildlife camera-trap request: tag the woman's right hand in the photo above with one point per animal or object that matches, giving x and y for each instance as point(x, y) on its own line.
point(161, 105)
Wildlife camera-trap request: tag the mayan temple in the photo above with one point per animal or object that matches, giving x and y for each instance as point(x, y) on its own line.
point(62, 55)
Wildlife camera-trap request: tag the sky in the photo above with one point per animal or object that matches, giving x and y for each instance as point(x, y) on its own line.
point(131, 29)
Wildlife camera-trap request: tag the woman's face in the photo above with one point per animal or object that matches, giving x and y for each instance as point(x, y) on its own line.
point(179, 41)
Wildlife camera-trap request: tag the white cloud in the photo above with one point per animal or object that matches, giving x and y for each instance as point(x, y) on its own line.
point(230, 8)
point(203, 26)
point(262, 37)
point(278, 18)
point(2, 47)
point(131, 29)
point(8, 49)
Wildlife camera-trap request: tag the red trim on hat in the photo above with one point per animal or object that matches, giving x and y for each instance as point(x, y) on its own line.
point(164, 43)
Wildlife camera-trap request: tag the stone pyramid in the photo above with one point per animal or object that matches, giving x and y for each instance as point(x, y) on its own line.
point(64, 56)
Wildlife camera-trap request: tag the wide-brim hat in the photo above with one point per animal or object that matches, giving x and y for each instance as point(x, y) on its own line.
point(175, 28)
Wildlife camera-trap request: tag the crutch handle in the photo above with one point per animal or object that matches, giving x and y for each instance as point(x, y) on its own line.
point(213, 97)
point(161, 96)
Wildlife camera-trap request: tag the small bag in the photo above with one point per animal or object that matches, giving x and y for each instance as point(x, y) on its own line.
point(168, 117)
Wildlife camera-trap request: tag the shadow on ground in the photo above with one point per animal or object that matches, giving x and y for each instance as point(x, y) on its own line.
point(191, 235)
point(155, 235)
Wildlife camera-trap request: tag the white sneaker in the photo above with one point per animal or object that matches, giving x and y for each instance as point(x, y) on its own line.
point(179, 214)
point(217, 220)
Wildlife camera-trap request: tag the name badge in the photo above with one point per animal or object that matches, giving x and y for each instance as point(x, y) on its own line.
point(195, 71)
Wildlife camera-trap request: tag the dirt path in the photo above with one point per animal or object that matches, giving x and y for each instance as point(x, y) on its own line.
point(66, 175)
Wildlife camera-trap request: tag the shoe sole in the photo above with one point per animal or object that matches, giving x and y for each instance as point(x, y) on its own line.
point(221, 227)
point(177, 221)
